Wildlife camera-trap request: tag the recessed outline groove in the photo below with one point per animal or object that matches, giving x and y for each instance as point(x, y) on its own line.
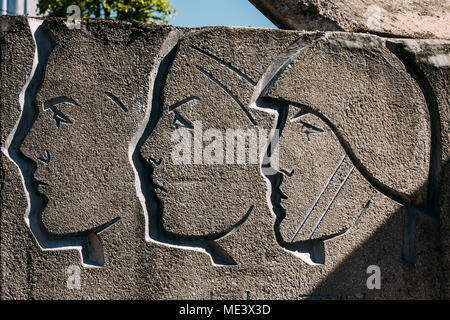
point(409, 61)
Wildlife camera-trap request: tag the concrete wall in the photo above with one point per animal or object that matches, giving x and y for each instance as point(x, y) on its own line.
point(120, 179)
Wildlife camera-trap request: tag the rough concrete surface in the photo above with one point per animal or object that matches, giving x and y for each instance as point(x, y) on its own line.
point(97, 183)
point(404, 18)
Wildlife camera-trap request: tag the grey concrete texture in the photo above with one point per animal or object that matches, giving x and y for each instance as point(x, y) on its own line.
point(90, 119)
point(399, 18)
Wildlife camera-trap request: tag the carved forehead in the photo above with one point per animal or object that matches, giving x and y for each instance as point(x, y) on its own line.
point(222, 75)
point(199, 77)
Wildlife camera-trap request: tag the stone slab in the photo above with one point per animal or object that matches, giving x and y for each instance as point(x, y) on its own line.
point(117, 170)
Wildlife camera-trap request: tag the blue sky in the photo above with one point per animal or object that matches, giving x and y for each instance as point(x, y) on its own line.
point(200, 13)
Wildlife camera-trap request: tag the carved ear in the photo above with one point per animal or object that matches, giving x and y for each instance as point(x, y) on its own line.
point(92, 251)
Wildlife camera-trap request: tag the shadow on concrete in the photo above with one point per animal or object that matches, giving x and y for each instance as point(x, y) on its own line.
point(427, 279)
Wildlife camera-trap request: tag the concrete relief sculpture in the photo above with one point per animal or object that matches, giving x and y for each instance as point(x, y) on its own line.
point(208, 148)
point(63, 126)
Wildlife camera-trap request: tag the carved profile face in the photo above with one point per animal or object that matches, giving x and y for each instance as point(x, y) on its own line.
point(199, 190)
point(340, 103)
point(87, 107)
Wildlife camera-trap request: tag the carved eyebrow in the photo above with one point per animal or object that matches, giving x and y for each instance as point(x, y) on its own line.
point(116, 100)
point(299, 114)
point(228, 92)
point(58, 116)
point(190, 101)
point(178, 120)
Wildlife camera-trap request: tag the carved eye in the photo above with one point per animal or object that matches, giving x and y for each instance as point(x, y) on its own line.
point(46, 158)
point(180, 122)
point(309, 129)
point(58, 116)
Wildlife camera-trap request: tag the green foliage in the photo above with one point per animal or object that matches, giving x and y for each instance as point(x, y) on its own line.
point(150, 11)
